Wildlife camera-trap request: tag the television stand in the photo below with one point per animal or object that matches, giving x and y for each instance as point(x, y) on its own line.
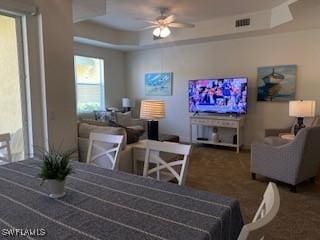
point(235, 123)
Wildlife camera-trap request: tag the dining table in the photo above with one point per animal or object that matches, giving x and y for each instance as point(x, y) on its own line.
point(104, 204)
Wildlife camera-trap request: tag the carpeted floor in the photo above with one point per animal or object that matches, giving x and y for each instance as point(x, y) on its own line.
point(225, 172)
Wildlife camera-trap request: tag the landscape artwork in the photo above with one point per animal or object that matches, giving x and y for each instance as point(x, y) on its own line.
point(277, 83)
point(158, 84)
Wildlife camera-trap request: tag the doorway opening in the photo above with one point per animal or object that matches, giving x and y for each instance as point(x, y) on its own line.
point(14, 117)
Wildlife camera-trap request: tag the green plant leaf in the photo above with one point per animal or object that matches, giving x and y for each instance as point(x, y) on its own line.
point(56, 164)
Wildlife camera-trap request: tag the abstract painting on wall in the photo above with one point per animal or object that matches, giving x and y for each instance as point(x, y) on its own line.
point(158, 84)
point(277, 83)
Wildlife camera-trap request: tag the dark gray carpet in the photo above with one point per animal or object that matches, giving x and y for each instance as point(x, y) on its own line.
point(225, 172)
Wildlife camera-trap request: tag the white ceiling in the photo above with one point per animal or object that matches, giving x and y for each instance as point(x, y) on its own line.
point(84, 9)
point(124, 14)
point(214, 20)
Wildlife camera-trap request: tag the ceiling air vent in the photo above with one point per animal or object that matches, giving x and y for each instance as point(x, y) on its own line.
point(243, 22)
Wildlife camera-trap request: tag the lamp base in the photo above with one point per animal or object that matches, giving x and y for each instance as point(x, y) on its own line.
point(299, 125)
point(153, 130)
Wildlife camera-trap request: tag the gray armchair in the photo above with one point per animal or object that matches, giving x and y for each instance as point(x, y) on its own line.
point(292, 162)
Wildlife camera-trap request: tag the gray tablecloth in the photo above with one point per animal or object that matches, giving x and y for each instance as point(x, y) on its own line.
point(103, 204)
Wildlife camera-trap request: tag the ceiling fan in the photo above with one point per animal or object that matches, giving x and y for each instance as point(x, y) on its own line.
point(163, 23)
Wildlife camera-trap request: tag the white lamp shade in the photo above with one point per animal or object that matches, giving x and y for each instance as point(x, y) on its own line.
point(302, 108)
point(156, 32)
point(162, 32)
point(126, 102)
point(152, 109)
point(165, 32)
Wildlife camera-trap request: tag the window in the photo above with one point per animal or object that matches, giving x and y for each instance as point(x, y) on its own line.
point(89, 75)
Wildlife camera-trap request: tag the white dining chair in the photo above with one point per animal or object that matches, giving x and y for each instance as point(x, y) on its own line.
point(104, 150)
point(17, 145)
point(267, 211)
point(166, 170)
point(5, 150)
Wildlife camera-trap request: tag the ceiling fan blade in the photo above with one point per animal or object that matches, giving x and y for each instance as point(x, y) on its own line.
point(146, 20)
point(152, 22)
point(169, 19)
point(148, 27)
point(180, 25)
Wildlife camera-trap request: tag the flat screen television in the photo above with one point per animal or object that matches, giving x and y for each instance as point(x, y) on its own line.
point(223, 95)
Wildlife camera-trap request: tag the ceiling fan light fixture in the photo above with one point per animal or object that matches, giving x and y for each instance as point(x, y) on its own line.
point(161, 32)
point(165, 32)
point(156, 32)
point(163, 24)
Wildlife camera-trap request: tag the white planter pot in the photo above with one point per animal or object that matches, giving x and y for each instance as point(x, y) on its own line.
point(215, 137)
point(56, 188)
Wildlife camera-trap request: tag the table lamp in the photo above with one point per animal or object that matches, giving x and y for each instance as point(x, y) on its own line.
point(126, 104)
point(301, 109)
point(152, 110)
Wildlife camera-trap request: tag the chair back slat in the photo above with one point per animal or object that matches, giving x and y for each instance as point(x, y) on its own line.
point(170, 147)
point(267, 211)
point(153, 149)
point(104, 150)
point(5, 144)
point(5, 137)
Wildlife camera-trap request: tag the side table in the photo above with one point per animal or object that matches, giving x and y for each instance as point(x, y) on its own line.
point(139, 149)
point(168, 138)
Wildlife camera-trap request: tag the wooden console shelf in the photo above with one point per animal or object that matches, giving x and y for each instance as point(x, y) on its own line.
point(236, 123)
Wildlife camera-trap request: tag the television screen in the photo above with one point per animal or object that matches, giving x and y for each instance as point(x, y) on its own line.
point(228, 95)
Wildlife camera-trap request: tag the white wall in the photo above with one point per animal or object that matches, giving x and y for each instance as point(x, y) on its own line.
point(230, 58)
point(57, 36)
point(114, 71)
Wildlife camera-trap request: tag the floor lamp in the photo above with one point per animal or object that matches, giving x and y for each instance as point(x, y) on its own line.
point(153, 111)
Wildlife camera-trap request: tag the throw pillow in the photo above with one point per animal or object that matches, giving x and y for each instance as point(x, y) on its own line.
point(104, 116)
point(132, 135)
point(123, 119)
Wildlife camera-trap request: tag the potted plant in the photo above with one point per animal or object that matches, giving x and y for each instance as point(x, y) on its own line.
point(54, 170)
